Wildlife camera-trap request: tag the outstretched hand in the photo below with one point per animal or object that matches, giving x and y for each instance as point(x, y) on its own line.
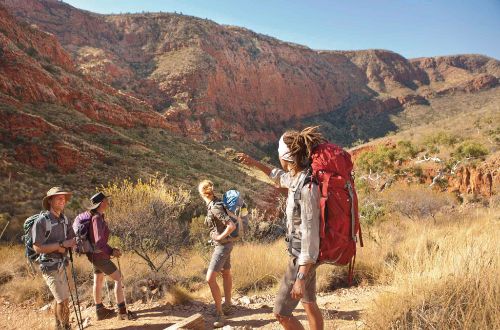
point(249, 161)
point(245, 159)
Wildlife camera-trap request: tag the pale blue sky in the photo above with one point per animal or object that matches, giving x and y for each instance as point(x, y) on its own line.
point(413, 28)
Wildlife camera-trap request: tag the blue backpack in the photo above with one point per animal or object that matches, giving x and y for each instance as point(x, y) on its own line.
point(234, 203)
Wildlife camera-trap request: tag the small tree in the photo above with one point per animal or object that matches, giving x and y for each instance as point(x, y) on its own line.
point(146, 218)
point(417, 202)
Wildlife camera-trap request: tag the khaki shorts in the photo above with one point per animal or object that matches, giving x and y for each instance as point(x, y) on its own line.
point(57, 283)
point(221, 258)
point(284, 303)
point(105, 266)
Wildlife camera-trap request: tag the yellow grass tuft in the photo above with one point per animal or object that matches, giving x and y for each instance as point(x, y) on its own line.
point(178, 295)
point(446, 278)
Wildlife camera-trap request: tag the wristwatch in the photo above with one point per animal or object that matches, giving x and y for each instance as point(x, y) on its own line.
point(301, 276)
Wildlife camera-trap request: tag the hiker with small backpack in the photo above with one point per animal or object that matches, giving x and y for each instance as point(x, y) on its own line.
point(51, 237)
point(221, 227)
point(92, 233)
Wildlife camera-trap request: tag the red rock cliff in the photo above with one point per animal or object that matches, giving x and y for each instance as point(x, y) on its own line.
point(214, 81)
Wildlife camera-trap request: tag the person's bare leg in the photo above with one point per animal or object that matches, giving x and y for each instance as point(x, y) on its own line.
point(56, 313)
point(117, 277)
point(227, 282)
point(62, 312)
point(65, 305)
point(289, 322)
point(314, 316)
point(214, 288)
point(98, 282)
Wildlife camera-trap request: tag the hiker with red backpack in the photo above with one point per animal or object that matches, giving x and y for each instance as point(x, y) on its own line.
point(322, 219)
point(302, 213)
point(221, 226)
point(93, 233)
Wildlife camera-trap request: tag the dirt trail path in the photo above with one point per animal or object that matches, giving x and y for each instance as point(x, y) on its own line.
point(341, 309)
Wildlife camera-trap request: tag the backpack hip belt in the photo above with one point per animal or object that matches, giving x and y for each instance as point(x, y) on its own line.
point(293, 245)
point(49, 262)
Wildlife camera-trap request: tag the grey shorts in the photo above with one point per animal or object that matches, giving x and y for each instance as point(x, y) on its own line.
point(284, 303)
point(221, 258)
point(105, 266)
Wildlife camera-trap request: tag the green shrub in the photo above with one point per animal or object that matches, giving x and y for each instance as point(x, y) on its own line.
point(405, 149)
point(416, 171)
point(371, 212)
point(382, 158)
point(378, 160)
point(441, 139)
point(470, 149)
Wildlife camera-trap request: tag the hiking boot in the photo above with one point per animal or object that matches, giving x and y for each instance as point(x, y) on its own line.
point(104, 313)
point(126, 315)
point(60, 326)
point(219, 321)
point(227, 309)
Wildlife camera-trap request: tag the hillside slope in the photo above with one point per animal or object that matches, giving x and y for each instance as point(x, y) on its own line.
point(61, 127)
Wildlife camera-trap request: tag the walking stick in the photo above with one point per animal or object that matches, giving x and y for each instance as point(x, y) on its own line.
point(123, 282)
point(4, 228)
point(107, 290)
point(76, 288)
point(78, 320)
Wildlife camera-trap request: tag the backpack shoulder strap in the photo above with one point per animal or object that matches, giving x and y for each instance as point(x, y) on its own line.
point(44, 216)
point(303, 180)
point(230, 214)
point(66, 225)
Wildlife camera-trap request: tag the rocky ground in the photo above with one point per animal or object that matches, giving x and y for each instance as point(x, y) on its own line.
point(342, 309)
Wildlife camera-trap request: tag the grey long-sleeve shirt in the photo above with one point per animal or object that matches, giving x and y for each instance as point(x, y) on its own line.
point(302, 221)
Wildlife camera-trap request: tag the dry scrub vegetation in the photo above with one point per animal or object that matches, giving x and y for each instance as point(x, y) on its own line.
point(444, 275)
point(438, 260)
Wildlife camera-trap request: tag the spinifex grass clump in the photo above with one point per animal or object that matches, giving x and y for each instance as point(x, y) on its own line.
point(446, 278)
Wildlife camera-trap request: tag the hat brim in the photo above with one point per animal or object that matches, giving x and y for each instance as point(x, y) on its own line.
point(92, 206)
point(45, 200)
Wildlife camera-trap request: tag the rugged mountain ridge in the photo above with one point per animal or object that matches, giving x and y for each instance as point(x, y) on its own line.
point(214, 82)
point(59, 126)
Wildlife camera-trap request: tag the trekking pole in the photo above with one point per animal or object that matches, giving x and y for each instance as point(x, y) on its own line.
point(4, 228)
point(76, 289)
point(107, 290)
point(123, 283)
point(78, 320)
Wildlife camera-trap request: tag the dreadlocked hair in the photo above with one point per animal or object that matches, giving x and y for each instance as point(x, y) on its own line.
point(301, 144)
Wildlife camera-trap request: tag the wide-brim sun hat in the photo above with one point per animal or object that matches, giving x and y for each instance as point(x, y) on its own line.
point(96, 200)
point(53, 192)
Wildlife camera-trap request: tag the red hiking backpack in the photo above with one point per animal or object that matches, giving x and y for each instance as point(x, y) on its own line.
point(339, 218)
